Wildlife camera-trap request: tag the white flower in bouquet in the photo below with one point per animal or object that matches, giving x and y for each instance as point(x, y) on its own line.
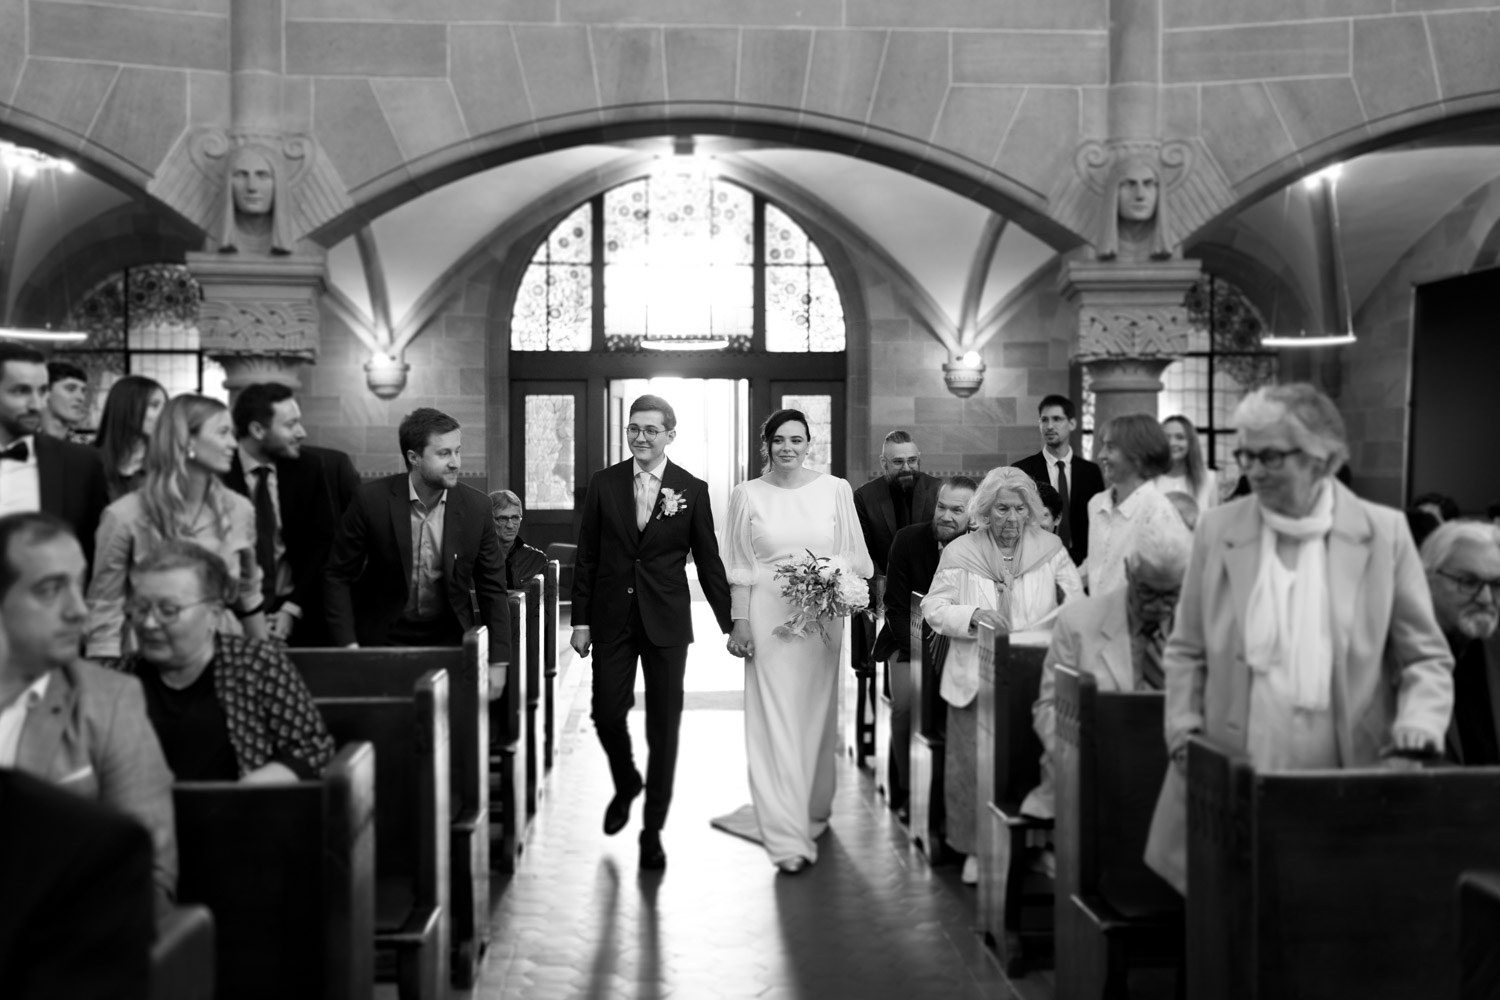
point(822, 588)
point(854, 592)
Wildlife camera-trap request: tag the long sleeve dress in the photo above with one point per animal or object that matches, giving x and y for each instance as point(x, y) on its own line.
point(790, 685)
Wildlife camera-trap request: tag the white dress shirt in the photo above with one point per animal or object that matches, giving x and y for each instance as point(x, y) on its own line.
point(20, 482)
point(13, 718)
point(1067, 460)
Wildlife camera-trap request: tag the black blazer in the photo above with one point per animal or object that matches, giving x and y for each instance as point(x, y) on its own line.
point(1084, 480)
point(616, 562)
point(365, 582)
point(78, 918)
point(339, 475)
point(307, 526)
point(71, 484)
point(877, 514)
point(911, 565)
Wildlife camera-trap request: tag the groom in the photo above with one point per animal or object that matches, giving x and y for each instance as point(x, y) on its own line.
point(631, 601)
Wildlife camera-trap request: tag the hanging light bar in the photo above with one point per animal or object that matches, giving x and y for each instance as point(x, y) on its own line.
point(1337, 313)
point(30, 162)
point(42, 336)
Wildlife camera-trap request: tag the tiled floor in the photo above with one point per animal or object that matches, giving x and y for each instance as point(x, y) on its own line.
point(579, 920)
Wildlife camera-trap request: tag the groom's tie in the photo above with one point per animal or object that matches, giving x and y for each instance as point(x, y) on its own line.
point(645, 498)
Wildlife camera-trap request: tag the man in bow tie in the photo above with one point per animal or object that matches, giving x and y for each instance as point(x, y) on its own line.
point(631, 602)
point(38, 472)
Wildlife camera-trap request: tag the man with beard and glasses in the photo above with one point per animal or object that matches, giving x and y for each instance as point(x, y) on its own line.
point(1462, 562)
point(1075, 478)
point(522, 561)
point(409, 548)
point(910, 564)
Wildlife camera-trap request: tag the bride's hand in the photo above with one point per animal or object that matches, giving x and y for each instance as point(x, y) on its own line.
point(740, 643)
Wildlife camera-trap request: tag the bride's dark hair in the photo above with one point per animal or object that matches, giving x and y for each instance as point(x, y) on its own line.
point(771, 426)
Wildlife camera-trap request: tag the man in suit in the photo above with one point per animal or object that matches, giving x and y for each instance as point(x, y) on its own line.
point(63, 719)
point(1118, 636)
point(78, 917)
point(294, 518)
point(910, 565)
point(67, 400)
point(39, 472)
point(1073, 476)
point(340, 475)
point(1462, 561)
point(631, 601)
point(409, 548)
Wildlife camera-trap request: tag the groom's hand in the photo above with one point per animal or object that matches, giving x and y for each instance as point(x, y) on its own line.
point(740, 643)
point(580, 641)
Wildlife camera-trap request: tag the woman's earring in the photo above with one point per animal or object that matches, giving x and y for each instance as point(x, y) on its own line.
point(192, 455)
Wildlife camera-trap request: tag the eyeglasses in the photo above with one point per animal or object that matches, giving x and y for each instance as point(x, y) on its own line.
point(1270, 459)
point(508, 518)
point(905, 463)
point(649, 433)
point(1150, 595)
point(1471, 586)
point(165, 613)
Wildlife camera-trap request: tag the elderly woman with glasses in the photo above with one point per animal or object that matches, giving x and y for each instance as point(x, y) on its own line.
point(226, 708)
point(1306, 636)
point(1007, 574)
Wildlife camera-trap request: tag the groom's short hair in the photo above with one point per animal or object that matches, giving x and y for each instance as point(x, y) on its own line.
point(648, 402)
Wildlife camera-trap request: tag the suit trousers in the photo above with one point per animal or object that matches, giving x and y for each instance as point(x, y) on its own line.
point(614, 696)
point(444, 630)
point(900, 668)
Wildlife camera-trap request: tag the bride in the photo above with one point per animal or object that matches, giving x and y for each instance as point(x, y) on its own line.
point(790, 684)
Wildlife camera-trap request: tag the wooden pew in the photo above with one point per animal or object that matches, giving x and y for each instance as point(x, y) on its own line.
point(182, 957)
point(884, 776)
point(1479, 933)
point(535, 591)
point(1330, 883)
point(929, 718)
point(392, 672)
point(1112, 912)
point(550, 616)
point(860, 735)
point(507, 751)
point(1009, 766)
point(289, 874)
point(413, 870)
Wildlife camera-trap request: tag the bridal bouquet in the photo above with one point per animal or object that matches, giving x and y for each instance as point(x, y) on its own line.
point(823, 588)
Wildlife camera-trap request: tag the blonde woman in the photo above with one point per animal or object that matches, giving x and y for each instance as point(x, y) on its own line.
point(1188, 473)
point(181, 499)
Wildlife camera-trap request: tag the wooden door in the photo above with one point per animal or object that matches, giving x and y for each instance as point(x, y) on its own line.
point(549, 432)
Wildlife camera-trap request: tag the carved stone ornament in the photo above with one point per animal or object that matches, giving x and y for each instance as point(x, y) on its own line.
point(275, 328)
point(305, 191)
point(259, 306)
point(1129, 310)
point(1115, 331)
point(1189, 190)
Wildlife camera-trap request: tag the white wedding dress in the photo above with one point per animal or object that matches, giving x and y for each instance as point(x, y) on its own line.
point(790, 685)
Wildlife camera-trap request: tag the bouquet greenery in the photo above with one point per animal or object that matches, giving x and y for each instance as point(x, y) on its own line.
point(822, 588)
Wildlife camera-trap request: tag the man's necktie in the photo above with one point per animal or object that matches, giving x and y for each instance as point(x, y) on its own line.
point(1149, 675)
point(1065, 523)
point(265, 532)
point(645, 498)
point(17, 452)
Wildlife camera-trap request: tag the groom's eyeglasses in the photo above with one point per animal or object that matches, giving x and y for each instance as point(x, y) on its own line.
point(649, 433)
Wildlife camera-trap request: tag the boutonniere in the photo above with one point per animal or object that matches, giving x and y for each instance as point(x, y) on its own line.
point(671, 503)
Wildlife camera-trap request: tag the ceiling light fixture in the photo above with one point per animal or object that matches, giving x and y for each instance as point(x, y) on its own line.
point(30, 162)
point(42, 336)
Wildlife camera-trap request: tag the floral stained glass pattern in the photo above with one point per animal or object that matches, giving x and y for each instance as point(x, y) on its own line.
point(819, 412)
point(555, 305)
point(550, 428)
point(803, 310)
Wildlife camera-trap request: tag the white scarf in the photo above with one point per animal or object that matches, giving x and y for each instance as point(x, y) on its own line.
point(1304, 642)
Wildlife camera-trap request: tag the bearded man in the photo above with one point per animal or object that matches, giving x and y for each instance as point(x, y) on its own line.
point(1462, 561)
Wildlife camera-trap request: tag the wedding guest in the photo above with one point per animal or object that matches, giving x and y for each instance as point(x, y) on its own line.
point(522, 562)
point(1335, 590)
point(131, 411)
point(340, 475)
point(1462, 562)
point(294, 517)
point(1188, 472)
point(62, 718)
point(1075, 478)
point(67, 400)
point(1440, 506)
point(1052, 508)
point(38, 472)
point(225, 708)
point(1007, 574)
point(1133, 453)
point(182, 498)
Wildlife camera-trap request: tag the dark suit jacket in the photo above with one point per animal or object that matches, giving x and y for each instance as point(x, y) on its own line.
point(72, 486)
point(368, 569)
point(79, 915)
point(339, 474)
point(522, 563)
point(912, 562)
point(1084, 480)
point(1465, 697)
point(616, 562)
point(307, 526)
point(877, 514)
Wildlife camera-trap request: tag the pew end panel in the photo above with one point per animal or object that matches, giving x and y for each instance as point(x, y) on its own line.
point(1113, 913)
point(182, 956)
point(883, 772)
point(535, 680)
point(928, 744)
point(288, 872)
point(859, 722)
point(508, 753)
point(1009, 766)
point(551, 617)
point(1479, 935)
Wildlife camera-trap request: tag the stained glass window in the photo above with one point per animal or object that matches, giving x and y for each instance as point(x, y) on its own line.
point(550, 426)
point(677, 259)
point(819, 412)
point(143, 321)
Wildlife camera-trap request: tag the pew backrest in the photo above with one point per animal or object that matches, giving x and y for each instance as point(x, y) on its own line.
point(1479, 930)
point(288, 872)
point(535, 589)
point(550, 597)
point(1010, 678)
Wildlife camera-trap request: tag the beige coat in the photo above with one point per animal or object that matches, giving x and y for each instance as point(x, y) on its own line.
point(1391, 664)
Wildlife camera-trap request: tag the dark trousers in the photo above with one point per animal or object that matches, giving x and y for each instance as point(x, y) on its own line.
point(444, 630)
point(614, 696)
point(900, 667)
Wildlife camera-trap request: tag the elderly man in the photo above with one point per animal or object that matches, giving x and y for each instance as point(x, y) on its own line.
point(522, 561)
point(1118, 636)
point(1462, 561)
point(912, 561)
point(62, 719)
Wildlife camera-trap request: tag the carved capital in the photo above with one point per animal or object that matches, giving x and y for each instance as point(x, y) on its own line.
point(260, 327)
point(259, 311)
point(1129, 312)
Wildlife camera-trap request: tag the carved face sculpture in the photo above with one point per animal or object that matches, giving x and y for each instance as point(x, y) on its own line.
point(1137, 192)
point(252, 181)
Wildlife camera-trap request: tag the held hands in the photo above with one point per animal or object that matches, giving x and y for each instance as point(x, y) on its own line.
point(580, 642)
point(280, 625)
point(740, 644)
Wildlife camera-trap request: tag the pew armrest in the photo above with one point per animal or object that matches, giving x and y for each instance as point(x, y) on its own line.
point(182, 959)
point(469, 820)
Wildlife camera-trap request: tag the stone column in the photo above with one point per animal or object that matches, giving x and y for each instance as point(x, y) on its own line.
point(260, 316)
point(1132, 323)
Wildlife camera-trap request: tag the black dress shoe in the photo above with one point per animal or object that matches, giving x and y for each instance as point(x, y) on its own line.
point(617, 813)
point(653, 858)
